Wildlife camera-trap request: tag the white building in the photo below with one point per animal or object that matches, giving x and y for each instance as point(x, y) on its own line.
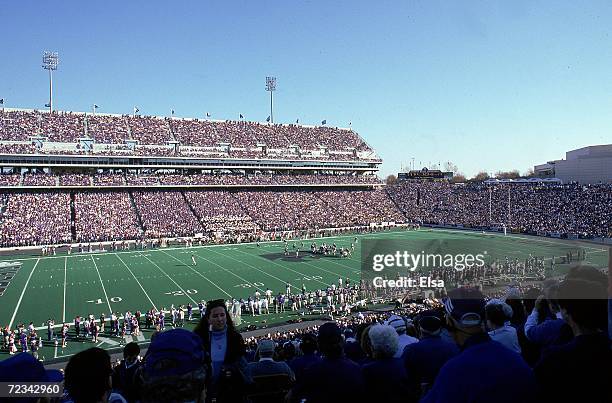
point(592, 164)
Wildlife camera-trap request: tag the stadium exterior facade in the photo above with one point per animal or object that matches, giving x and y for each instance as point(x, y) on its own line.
point(586, 165)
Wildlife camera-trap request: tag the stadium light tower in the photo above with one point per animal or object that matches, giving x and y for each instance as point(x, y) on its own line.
point(271, 87)
point(50, 62)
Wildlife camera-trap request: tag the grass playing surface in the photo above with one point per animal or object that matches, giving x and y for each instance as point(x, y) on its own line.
point(62, 287)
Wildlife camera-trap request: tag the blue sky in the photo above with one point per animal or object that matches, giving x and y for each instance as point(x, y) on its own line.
point(487, 85)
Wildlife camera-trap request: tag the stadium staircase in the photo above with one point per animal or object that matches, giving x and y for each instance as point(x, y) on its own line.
point(3, 201)
point(73, 216)
point(195, 214)
point(127, 125)
point(396, 205)
point(246, 212)
point(172, 136)
point(138, 217)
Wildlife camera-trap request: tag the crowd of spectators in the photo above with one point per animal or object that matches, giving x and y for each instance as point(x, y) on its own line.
point(310, 138)
point(307, 210)
point(18, 125)
point(547, 344)
point(360, 208)
point(166, 214)
point(149, 129)
point(155, 151)
point(35, 219)
point(203, 179)
point(144, 150)
point(285, 210)
point(266, 179)
point(546, 210)
point(107, 129)
point(67, 127)
point(105, 216)
point(109, 179)
point(111, 216)
point(75, 180)
point(206, 133)
point(18, 148)
point(62, 127)
point(220, 211)
point(57, 127)
point(583, 210)
point(249, 134)
point(40, 179)
point(142, 180)
point(193, 179)
point(10, 179)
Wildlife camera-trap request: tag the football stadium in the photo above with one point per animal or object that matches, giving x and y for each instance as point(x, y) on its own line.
point(165, 258)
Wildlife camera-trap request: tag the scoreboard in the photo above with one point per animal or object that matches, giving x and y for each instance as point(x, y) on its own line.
point(424, 174)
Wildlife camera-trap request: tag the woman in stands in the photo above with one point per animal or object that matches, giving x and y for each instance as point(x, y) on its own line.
point(226, 351)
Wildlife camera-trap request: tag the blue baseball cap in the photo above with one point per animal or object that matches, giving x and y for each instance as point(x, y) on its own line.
point(174, 352)
point(25, 368)
point(465, 305)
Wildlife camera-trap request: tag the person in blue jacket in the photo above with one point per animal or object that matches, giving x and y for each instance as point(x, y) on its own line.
point(484, 370)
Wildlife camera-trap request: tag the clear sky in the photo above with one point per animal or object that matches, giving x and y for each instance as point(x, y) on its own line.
point(492, 85)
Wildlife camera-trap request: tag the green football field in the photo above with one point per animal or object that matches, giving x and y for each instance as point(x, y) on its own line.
point(61, 287)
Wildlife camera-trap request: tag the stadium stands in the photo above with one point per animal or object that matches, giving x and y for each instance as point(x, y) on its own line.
point(166, 214)
point(543, 209)
point(361, 208)
point(10, 179)
point(109, 180)
point(149, 130)
point(546, 210)
point(40, 180)
point(220, 211)
point(62, 127)
point(107, 129)
point(191, 180)
point(198, 137)
point(75, 180)
point(107, 216)
point(551, 208)
point(35, 219)
point(19, 125)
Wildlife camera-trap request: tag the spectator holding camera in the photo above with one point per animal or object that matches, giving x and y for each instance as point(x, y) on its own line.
point(545, 329)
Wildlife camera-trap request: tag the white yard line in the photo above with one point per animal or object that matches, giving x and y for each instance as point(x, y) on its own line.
point(343, 265)
point(64, 305)
point(25, 287)
point(171, 279)
point(230, 272)
point(110, 310)
point(141, 287)
point(327, 271)
point(284, 267)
